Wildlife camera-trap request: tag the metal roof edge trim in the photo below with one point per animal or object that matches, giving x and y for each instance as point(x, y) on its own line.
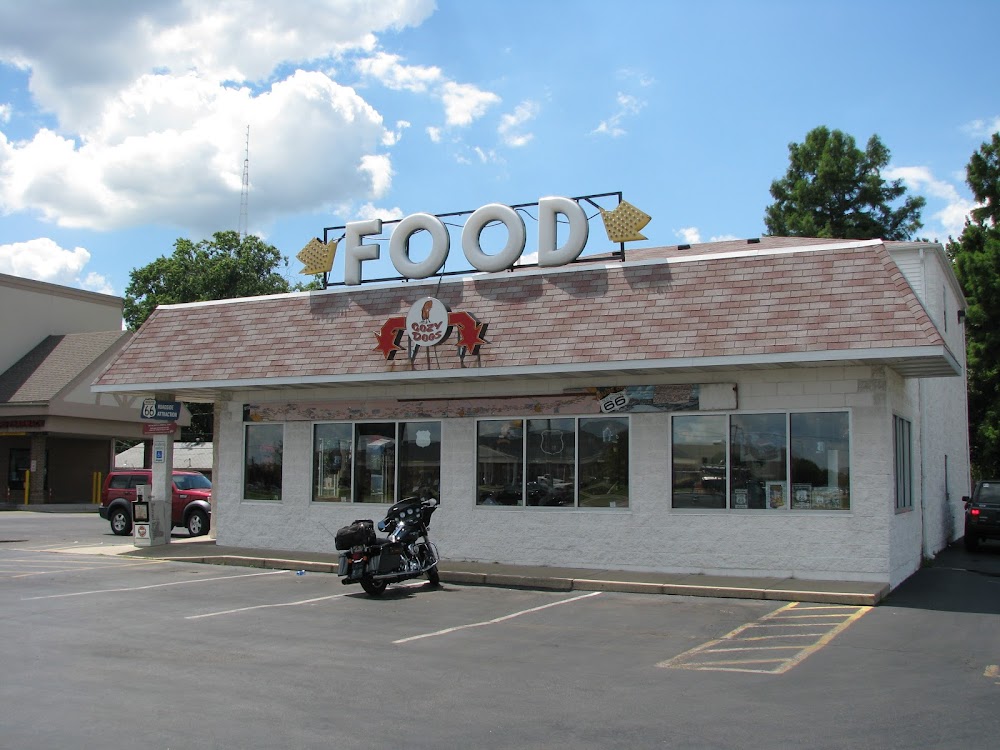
point(682, 363)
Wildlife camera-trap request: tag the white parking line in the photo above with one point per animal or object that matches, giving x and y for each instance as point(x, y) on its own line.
point(286, 604)
point(267, 606)
point(496, 619)
point(57, 571)
point(152, 586)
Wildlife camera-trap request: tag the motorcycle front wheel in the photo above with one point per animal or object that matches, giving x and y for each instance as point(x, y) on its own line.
point(373, 587)
point(434, 577)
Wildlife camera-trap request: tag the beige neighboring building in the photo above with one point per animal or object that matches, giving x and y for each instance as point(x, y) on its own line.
point(56, 435)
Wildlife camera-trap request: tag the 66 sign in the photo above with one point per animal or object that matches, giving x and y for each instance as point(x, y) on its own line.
point(165, 411)
point(614, 402)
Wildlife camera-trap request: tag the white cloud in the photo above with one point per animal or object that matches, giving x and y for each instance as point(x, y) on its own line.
point(464, 102)
point(632, 75)
point(394, 75)
point(152, 105)
point(392, 137)
point(170, 150)
point(80, 54)
point(723, 237)
point(628, 106)
point(487, 156)
point(982, 128)
point(371, 211)
point(43, 260)
point(690, 235)
point(380, 168)
point(510, 128)
point(952, 215)
point(5, 111)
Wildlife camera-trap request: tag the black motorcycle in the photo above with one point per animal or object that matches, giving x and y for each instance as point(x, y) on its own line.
point(406, 553)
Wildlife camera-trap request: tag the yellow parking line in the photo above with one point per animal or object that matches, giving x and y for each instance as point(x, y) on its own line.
point(779, 618)
point(809, 650)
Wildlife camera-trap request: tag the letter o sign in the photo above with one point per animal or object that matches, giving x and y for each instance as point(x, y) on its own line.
point(474, 228)
point(399, 246)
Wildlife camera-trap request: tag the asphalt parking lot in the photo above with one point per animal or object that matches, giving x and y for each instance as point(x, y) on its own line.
point(109, 652)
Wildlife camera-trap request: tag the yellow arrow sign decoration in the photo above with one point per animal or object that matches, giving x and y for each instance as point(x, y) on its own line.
point(317, 256)
point(623, 224)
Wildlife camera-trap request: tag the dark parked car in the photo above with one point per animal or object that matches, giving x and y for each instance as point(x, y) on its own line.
point(982, 514)
point(192, 496)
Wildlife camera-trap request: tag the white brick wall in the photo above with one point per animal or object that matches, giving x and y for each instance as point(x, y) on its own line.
point(870, 542)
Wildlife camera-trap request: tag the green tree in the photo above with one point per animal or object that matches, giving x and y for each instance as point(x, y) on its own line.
point(834, 189)
point(976, 255)
point(223, 267)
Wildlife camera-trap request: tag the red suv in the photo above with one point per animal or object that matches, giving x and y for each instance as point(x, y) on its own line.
point(192, 499)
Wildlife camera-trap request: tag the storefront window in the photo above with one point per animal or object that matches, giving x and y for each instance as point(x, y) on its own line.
point(551, 462)
point(499, 462)
point(821, 457)
point(758, 461)
point(380, 462)
point(902, 445)
point(420, 459)
point(699, 461)
point(604, 462)
point(333, 462)
point(558, 462)
point(375, 463)
point(263, 450)
point(779, 461)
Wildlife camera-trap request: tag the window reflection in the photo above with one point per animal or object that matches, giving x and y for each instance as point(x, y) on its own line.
point(699, 462)
point(604, 462)
point(420, 459)
point(551, 462)
point(556, 462)
point(758, 461)
point(332, 462)
point(263, 450)
point(373, 462)
point(500, 456)
point(774, 461)
point(821, 471)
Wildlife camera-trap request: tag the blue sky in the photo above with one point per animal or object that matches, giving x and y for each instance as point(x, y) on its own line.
point(123, 124)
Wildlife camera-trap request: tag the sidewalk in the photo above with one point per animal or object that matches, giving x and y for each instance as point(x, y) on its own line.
point(52, 507)
point(202, 550)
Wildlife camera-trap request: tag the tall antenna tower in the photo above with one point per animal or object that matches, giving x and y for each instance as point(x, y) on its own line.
point(245, 193)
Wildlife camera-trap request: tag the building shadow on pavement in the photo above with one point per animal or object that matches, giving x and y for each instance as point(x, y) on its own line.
point(954, 581)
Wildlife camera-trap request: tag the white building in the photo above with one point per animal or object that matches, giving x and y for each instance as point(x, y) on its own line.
point(782, 407)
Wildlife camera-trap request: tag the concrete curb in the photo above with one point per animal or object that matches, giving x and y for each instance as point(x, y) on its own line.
point(544, 583)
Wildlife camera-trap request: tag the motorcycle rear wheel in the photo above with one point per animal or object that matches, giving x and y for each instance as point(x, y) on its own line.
point(373, 587)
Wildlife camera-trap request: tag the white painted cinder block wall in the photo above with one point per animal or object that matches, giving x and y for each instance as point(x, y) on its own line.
point(869, 543)
point(940, 413)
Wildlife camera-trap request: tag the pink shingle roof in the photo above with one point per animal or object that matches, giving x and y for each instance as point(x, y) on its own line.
point(779, 301)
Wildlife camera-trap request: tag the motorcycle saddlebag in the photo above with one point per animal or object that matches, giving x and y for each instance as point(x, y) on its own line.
point(357, 534)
